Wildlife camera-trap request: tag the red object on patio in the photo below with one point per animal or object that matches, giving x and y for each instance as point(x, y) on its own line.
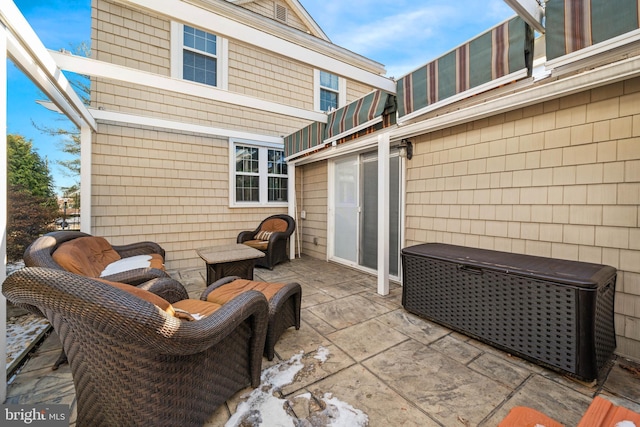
point(602, 413)
point(521, 416)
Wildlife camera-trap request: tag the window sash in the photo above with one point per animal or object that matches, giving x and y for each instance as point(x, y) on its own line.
point(329, 81)
point(199, 68)
point(328, 100)
point(200, 40)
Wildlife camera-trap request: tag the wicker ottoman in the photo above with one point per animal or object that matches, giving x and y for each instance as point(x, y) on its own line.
point(284, 303)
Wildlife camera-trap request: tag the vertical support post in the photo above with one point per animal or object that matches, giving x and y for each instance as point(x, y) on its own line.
point(293, 209)
point(3, 208)
point(384, 146)
point(85, 179)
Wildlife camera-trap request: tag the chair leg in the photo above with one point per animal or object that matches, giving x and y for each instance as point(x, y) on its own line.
point(62, 359)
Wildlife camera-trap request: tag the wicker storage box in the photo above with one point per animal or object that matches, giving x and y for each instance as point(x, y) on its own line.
point(553, 312)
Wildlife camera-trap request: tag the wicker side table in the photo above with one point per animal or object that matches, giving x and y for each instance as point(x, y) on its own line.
point(229, 260)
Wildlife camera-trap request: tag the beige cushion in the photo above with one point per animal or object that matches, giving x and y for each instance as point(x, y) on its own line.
point(87, 256)
point(188, 309)
point(226, 293)
point(257, 244)
point(197, 308)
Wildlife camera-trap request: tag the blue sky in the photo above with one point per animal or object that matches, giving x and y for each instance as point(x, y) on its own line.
point(59, 24)
point(401, 34)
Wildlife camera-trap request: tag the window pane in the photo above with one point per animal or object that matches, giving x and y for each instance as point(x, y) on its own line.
point(189, 36)
point(199, 68)
point(247, 188)
point(328, 80)
point(247, 159)
point(276, 163)
point(277, 189)
point(328, 100)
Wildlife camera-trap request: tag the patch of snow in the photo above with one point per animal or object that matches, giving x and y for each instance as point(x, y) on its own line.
point(322, 355)
point(262, 408)
point(283, 373)
point(625, 423)
point(343, 414)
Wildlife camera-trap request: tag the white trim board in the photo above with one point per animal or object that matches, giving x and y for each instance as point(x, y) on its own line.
point(172, 125)
point(226, 27)
point(95, 68)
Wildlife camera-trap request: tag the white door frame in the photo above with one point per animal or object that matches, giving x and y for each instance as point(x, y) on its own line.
point(383, 150)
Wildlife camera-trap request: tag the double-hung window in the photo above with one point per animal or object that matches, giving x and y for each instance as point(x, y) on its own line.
point(330, 91)
point(259, 174)
point(198, 56)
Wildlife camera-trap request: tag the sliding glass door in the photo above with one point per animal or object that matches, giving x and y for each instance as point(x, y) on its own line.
point(347, 209)
point(356, 211)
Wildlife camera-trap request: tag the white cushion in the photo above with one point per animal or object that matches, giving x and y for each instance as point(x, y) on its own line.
point(126, 264)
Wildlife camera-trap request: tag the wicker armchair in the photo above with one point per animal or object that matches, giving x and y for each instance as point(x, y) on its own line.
point(134, 364)
point(271, 238)
point(40, 254)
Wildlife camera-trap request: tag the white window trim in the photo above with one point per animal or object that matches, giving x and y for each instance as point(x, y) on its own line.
point(342, 90)
point(262, 157)
point(177, 46)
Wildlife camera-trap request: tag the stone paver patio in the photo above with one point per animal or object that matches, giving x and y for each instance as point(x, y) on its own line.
point(365, 352)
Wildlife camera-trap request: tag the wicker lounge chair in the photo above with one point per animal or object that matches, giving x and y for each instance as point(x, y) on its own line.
point(40, 254)
point(135, 364)
point(284, 303)
point(271, 238)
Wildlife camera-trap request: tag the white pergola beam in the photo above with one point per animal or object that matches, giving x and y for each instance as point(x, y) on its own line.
point(384, 145)
point(3, 208)
point(530, 11)
point(95, 68)
point(85, 178)
point(27, 51)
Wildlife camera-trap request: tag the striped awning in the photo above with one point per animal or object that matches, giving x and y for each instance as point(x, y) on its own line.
point(368, 114)
point(359, 114)
point(574, 25)
point(306, 139)
point(498, 56)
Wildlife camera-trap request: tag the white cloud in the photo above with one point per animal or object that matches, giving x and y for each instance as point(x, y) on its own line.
point(404, 34)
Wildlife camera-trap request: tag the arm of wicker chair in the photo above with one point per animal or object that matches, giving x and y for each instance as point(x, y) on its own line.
point(137, 276)
point(139, 248)
point(246, 235)
point(166, 288)
point(193, 337)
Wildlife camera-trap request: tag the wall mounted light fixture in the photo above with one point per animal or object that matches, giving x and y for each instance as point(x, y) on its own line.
point(405, 149)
